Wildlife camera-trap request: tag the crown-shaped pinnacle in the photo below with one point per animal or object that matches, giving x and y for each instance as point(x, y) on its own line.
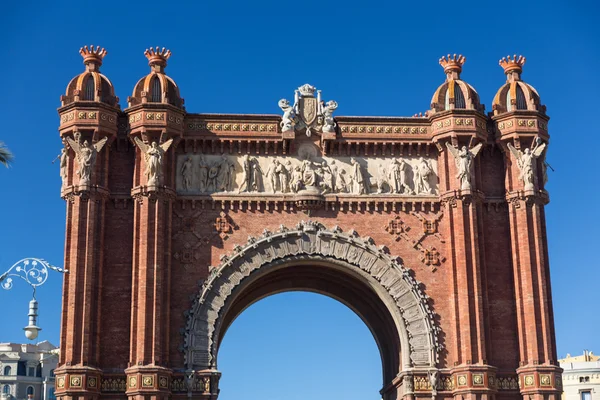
point(92, 55)
point(512, 64)
point(157, 56)
point(452, 63)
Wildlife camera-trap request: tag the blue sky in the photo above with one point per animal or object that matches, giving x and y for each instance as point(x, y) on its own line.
point(242, 57)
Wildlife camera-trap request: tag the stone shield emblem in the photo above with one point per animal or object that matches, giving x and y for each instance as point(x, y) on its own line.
point(307, 107)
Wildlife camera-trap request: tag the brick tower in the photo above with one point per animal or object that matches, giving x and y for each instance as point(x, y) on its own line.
point(431, 227)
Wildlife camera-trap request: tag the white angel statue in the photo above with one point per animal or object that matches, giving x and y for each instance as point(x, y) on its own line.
point(153, 156)
point(464, 163)
point(526, 161)
point(86, 157)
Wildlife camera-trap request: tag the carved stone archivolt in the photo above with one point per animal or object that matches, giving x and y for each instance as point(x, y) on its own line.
point(416, 325)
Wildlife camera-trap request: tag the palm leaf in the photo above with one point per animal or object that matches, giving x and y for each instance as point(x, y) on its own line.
point(5, 155)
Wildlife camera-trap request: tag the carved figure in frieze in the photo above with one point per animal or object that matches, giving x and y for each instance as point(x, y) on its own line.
point(64, 165)
point(325, 177)
point(297, 183)
point(382, 176)
point(360, 180)
point(257, 175)
point(327, 110)
point(284, 176)
point(422, 172)
point(202, 174)
point(225, 175)
point(187, 173)
point(252, 175)
point(526, 161)
point(288, 120)
point(86, 157)
point(463, 159)
point(309, 172)
point(399, 177)
point(273, 175)
point(213, 173)
point(247, 170)
point(153, 156)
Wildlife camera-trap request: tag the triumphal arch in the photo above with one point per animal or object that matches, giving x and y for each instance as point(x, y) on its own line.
point(431, 228)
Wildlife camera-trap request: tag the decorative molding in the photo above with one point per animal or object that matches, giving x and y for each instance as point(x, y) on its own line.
point(114, 384)
point(75, 381)
point(92, 382)
point(313, 240)
point(407, 130)
point(222, 126)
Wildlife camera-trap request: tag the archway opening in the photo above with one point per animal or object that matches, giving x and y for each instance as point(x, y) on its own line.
point(302, 340)
point(343, 266)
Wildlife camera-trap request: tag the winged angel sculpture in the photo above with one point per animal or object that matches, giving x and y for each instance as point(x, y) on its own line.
point(153, 156)
point(526, 161)
point(464, 163)
point(86, 157)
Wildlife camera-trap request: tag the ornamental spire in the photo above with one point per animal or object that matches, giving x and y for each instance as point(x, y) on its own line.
point(513, 67)
point(452, 65)
point(92, 58)
point(157, 58)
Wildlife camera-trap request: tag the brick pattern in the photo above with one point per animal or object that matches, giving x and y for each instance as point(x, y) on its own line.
point(137, 256)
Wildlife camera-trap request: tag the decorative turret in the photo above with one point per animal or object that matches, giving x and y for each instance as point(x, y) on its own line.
point(156, 87)
point(516, 94)
point(454, 93)
point(91, 85)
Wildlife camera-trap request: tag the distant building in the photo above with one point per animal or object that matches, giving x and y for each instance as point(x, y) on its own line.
point(27, 371)
point(581, 377)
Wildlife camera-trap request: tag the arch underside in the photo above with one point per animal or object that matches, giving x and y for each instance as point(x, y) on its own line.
point(375, 285)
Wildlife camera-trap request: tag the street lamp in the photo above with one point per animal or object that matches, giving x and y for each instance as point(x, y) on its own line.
point(34, 271)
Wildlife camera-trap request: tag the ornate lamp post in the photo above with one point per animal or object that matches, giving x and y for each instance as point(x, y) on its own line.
point(34, 271)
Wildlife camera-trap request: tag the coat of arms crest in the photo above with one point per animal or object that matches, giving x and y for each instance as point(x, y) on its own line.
point(308, 113)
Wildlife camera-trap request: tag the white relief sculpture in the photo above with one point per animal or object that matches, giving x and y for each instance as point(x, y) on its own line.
point(257, 175)
point(247, 172)
point(323, 175)
point(64, 165)
point(308, 113)
point(225, 175)
point(422, 172)
point(284, 176)
point(382, 182)
point(86, 157)
point(153, 156)
point(526, 161)
point(309, 173)
point(213, 173)
point(360, 180)
point(326, 112)
point(288, 120)
point(187, 173)
point(202, 174)
point(399, 177)
point(297, 180)
point(463, 159)
point(273, 175)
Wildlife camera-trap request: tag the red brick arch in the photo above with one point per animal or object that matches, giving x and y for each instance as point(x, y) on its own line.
point(341, 265)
